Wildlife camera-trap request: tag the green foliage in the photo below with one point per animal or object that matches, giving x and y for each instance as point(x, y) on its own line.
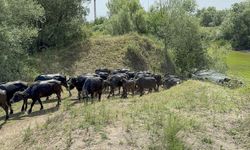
point(126, 16)
point(173, 22)
point(236, 26)
point(120, 23)
point(210, 17)
point(17, 31)
point(217, 52)
point(62, 15)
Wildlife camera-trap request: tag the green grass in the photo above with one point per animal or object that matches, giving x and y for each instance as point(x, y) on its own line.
point(239, 65)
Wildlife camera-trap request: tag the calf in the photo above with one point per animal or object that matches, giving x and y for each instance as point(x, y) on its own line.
point(91, 86)
point(38, 90)
point(11, 88)
point(146, 83)
point(3, 103)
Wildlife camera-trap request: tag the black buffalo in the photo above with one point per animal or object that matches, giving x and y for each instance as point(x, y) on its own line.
point(38, 90)
point(142, 74)
point(131, 74)
point(11, 88)
point(158, 79)
point(115, 81)
point(146, 83)
point(128, 85)
point(91, 86)
point(58, 77)
point(103, 75)
point(78, 82)
point(3, 103)
point(97, 71)
point(171, 80)
point(118, 71)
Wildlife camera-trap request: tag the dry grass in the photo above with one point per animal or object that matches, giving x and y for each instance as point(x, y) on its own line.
point(103, 51)
point(193, 115)
point(186, 116)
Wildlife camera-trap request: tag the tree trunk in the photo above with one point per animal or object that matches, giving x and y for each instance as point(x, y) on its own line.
point(95, 9)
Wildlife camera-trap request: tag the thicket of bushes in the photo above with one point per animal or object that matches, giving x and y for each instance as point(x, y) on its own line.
point(26, 26)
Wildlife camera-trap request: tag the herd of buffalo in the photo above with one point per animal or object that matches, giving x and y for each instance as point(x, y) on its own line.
point(103, 80)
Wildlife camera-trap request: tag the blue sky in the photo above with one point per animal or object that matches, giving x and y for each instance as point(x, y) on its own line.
point(102, 9)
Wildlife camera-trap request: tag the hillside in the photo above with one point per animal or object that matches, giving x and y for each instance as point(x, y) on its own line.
point(186, 116)
point(129, 51)
point(192, 115)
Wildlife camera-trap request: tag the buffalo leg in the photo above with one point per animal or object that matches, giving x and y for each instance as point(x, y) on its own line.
point(47, 98)
point(156, 88)
point(69, 93)
point(150, 90)
point(92, 98)
point(31, 106)
point(79, 95)
point(5, 107)
point(111, 91)
point(141, 91)
point(119, 88)
point(23, 106)
point(41, 104)
point(11, 110)
point(100, 96)
point(86, 97)
point(26, 104)
point(59, 99)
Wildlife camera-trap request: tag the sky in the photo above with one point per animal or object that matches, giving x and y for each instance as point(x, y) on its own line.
point(102, 9)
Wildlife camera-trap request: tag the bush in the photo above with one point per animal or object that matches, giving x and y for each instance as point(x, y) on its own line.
point(217, 52)
point(174, 23)
point(16, 33)
point(126, 16)
point(63, 23)
point(236, 26)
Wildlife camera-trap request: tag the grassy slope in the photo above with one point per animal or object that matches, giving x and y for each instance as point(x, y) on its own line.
point(194, 115)
point(102, 51)
point(185, 116)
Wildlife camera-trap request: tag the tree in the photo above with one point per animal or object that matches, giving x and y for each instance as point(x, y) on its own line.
point(210, 17)
point(61, 15)
point(17, 31)
point(95, 9)
point(178, 28)
point(236, 26)
point(126, 16)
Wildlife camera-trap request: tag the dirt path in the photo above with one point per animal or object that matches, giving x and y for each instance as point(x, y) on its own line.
point(20, 121)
